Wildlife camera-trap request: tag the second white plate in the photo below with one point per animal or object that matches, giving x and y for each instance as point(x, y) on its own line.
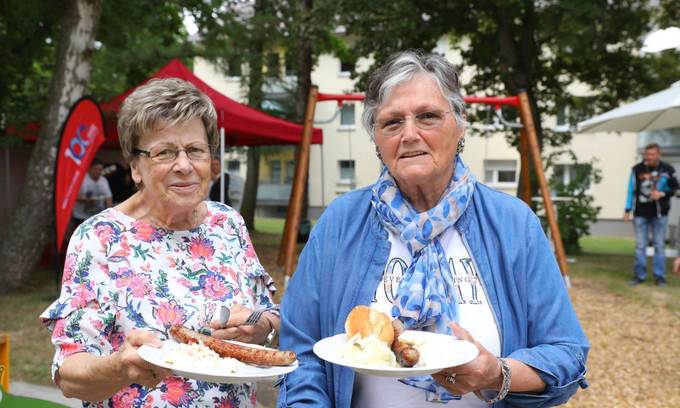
point(453, 353)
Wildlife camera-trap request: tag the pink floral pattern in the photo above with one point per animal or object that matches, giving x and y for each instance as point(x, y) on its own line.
point(122, 273)
point(170, 314)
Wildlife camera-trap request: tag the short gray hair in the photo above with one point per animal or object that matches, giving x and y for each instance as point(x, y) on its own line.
point(401, 67)
point(163, 103)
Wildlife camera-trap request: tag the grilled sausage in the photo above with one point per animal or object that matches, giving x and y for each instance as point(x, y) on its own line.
point(248, 355)
point(406, 354)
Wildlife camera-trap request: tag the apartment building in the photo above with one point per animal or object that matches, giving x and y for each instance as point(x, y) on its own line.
point(347, 158)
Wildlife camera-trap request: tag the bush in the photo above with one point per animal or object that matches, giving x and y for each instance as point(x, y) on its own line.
point(572, 180)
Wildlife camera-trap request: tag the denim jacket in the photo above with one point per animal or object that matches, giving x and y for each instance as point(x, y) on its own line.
point(342, 264)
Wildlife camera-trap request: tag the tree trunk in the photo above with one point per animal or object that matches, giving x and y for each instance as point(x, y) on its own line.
point(304, 80)
point(255, 96)
point(250, 188)
point(31, 225)
point(518, 58)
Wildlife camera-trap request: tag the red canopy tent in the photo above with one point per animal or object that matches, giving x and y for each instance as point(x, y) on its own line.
point(243, 125)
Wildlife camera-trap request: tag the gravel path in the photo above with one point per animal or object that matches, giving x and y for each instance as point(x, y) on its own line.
point(635, 356)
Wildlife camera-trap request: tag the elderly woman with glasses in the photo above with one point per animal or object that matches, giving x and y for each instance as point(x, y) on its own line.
point(163, 257)
point(431, 246)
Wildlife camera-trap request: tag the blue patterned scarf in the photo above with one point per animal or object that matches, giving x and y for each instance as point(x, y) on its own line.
point(426, 298)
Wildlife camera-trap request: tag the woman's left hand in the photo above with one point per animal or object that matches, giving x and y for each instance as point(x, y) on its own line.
point(482, 373)
point(236, 330)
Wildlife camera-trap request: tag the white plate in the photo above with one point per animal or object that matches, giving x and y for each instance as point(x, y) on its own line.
point(455, 352)
point(248, 374)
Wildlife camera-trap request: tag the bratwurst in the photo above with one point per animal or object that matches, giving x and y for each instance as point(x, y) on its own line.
point(405, 353)
point(248, 355)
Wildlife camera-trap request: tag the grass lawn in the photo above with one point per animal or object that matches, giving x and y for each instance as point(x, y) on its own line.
point(608, 245)
point(30, 349)
point(606, 263)
point(609, 261)
point(273, 226)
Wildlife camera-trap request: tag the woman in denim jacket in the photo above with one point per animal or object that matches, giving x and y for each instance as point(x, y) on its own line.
point(431, 246)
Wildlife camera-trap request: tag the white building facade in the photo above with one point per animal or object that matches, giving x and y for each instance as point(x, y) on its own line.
point(347, 158)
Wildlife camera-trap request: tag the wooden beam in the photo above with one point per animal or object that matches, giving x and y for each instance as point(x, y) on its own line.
point(292, 226)
point(534, 149)
point(524, 175)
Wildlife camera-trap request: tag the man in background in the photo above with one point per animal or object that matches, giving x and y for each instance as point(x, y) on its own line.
point(94, 195)
point(216, 170)
point(120, 181)
point(651, 186)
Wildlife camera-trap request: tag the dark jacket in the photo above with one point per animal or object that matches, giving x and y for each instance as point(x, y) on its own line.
point(645, 179)
point(215, 190)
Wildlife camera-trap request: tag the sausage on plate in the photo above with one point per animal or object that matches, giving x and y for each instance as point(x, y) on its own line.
point(405, 353)
point(250, 355)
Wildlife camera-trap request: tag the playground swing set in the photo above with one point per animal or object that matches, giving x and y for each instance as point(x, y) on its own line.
point(528, 147)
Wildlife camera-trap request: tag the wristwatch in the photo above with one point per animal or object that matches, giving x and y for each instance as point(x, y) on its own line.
point(271, 337)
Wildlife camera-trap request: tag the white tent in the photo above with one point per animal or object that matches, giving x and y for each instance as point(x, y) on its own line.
point(657, 111)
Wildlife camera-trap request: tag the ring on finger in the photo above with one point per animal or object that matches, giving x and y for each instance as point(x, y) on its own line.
point(451, 378)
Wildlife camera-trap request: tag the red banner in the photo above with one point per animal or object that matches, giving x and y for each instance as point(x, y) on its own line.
point(81, 136)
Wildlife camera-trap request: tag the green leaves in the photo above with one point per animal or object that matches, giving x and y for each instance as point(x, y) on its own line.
point(573, 180)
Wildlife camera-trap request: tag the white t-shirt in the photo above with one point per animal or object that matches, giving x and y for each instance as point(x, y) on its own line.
point(475, 316)
point(98, 190)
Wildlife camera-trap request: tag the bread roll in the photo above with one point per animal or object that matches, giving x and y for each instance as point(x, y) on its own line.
point(365, 321)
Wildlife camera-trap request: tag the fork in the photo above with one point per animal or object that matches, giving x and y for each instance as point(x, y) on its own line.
point(254, 317)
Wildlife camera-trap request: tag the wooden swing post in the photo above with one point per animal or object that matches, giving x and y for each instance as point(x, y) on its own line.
point(535, 153)
point(292, 226)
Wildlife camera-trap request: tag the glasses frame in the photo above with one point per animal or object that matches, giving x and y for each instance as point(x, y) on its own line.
point(147, 153)
point(377, 130)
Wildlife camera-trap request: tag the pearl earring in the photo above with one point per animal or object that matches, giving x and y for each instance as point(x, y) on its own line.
point(461, 146)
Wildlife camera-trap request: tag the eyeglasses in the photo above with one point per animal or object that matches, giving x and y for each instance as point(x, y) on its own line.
point(423, 121)
point(168, 154)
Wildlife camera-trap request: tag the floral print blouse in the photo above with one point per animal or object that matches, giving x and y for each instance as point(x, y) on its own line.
point(122, 273)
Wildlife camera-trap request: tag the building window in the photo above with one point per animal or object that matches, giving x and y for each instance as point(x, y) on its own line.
point(346, 67)
point(500, 172)
point(290, 171)
point(291, 65)
point(234, 166)
point(234, 67)
point(273, 65)
point(566, 174)
point(563, 115)
point(275, 172)
point(347, 115)
point(347, 173)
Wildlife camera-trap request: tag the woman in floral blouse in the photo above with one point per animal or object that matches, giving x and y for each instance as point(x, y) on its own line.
point(163, 257)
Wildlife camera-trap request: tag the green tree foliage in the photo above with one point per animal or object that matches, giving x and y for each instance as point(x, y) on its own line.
point(135, 39)
point(27, 52)
point(541, 47)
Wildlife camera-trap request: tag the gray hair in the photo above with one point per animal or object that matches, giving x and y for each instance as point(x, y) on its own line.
point(162, 103)
point(402, 67)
